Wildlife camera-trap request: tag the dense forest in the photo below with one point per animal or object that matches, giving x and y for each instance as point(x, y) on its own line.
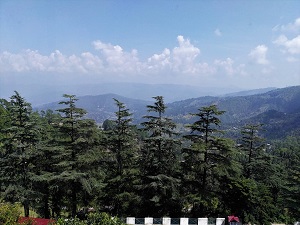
point(57, 162)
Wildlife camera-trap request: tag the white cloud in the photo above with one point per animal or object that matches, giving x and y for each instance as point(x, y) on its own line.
point(30, 60)
point(228, 66)
point(259, 54)
point(292, 46)
point(160, 61)
point(183, 59)
point(116, 59)
point(91, 62)
point(183, 56)
point(110, 59)
point(293, 27)
point(218, 32)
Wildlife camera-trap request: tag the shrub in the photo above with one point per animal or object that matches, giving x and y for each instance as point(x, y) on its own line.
point(72, 221)
point(9, 213)
point(92, 219)
point(103, 219)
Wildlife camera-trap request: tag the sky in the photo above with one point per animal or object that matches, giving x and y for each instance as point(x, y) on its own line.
point(240, 43)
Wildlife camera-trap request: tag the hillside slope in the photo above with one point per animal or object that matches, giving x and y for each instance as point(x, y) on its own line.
point(102, 107)
point(278, 109)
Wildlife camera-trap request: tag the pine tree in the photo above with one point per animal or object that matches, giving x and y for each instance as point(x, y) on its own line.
point(19, 142)
point(252, 145)
point(122, 173)
point(79, 140)
point(260, 198)
point(207, 162)
point(287, 154)
point(160, 163)
point(45, 170)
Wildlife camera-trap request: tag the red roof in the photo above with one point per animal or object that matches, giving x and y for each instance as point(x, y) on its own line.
point(36, 221)
point(233, 219)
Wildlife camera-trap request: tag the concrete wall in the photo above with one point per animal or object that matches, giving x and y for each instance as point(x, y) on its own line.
point(167, 221)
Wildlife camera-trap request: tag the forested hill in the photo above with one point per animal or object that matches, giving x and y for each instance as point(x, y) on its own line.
point(102, 107)
point(239, 108)
point(278, 109)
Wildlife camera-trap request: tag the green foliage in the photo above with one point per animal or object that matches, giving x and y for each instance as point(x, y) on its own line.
point(287, 154)
point(159, 163)
point(103, 219)
point(78, 140)
point(9, 213)
point(19, 144)
point(108, 125)
point(58, 162)
point(208, 161)
point(72, 221)
point(122, 174)
point(92, 219)
point(263, 195)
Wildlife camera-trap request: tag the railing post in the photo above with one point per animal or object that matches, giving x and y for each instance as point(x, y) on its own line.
point(166, 221)
point(149, 221)
point(130, 220)
point(220, 221)
point(202, 221)
point(184, 221)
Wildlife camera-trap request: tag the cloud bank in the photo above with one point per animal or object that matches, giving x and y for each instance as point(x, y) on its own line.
point(112, 59)
point(289, 40)
point(183, 63)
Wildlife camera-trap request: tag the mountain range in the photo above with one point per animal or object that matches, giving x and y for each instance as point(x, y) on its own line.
point(278, 109)
point(42, 93)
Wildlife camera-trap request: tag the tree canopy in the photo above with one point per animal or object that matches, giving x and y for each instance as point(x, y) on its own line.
point(62, 163)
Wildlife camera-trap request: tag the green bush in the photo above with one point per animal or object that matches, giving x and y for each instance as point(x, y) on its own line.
point(9, 213)
point(93, 219)
point(71, 221)
point(103, 219)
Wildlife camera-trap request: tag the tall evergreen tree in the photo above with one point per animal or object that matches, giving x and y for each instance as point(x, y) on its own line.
point(49, 196)
point(287, 153)
point(78, 140)
point(253, 146)
point(122, 172)
point(160, 163)
point(19, 139)
point(261, 197)
point(207, 161)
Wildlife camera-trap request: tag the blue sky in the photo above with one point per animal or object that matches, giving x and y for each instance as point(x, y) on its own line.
point(246, 44)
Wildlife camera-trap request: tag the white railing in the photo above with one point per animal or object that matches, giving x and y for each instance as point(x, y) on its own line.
point(168, 221)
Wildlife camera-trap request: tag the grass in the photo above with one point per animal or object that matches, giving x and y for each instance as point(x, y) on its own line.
point(31, 213)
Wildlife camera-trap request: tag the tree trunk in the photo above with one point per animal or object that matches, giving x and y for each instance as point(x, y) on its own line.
point(74, 201)
point(26, 208)
point(46, 203)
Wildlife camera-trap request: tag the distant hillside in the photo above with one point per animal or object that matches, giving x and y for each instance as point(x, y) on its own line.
point(102, 107)
point(47, 93)
point(243, 107)
point(250, 92)
point(278, 109)
point(278, 124)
